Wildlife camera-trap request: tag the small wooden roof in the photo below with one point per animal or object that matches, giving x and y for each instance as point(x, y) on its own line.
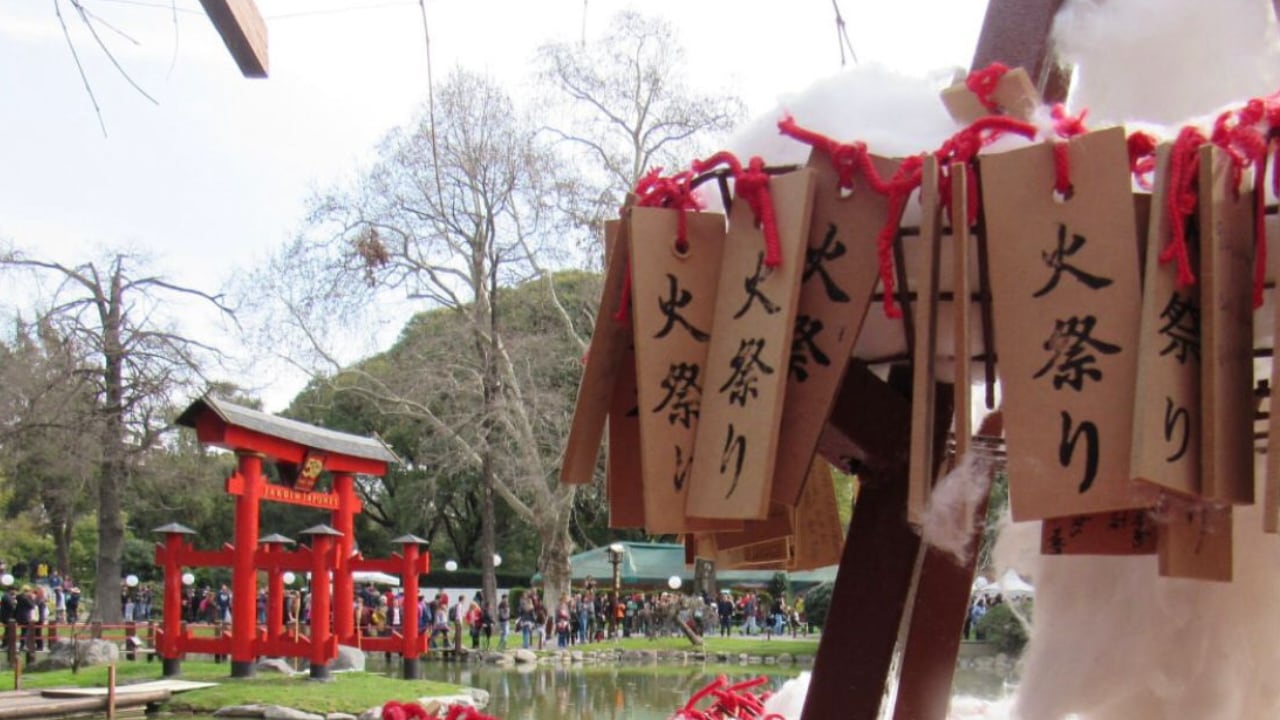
point(239, 428)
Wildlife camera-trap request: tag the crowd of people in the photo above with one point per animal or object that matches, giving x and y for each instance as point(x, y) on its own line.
point(37, 596)
point(587, 614)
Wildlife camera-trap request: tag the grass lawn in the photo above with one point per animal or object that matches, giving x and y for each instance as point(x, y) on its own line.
point(754, 645)
point(349, 692)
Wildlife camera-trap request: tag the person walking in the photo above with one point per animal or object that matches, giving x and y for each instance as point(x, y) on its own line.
point(504, 620)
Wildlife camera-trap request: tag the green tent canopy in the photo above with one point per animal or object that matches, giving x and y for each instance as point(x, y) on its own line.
point(651, 565)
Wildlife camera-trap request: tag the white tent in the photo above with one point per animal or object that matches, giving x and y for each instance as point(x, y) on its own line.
point(1012, 586)
point(377, 578)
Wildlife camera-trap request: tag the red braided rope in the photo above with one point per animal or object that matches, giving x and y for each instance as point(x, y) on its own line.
point(1184, 164)
point(392, 710)
point(752, 185)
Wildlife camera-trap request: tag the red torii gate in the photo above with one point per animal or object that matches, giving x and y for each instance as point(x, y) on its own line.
point(293, 445)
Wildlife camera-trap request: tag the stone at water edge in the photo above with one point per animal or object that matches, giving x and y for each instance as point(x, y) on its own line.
point(64, 654)
point(276, 665)
point(279, 712)
point(339, 716)
point(349, 658)
point(525, 656)
point(241, 711)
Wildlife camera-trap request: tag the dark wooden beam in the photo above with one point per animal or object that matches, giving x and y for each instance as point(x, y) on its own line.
point(871, 426)
point(244, 32)
point(1016, 33)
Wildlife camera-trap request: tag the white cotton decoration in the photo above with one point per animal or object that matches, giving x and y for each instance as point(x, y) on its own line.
point(959, 498)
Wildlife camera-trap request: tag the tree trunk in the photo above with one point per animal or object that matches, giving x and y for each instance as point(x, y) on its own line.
point(106, 595)
point(488, 544)
point(556, 572)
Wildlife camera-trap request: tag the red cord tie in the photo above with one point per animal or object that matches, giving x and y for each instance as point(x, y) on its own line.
point(1184, 165)
point(1065, 127)
point(654, 190)
point(1142, 157)
point(982, 83)
point(752, 185)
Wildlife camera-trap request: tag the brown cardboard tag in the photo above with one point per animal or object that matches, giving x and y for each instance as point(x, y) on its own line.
point(924, 377)
point(674, 291)
point(1014, 93)
point(609, 340)
point(1226, 375)
point(1166, 420)
point(1065, 286)
point(750, 351)
point(771, 553)
point(1195, 542)
point(624, 480)
point(819, 537)
point(779, 523)
point(1123, 532)
point(839, 277)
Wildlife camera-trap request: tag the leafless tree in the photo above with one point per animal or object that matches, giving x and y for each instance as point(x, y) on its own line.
point(450, 226)
point(112, 310)
point(622, 103)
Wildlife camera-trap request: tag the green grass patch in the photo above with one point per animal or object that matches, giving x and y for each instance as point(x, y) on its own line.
point(349, 692)
point(754, 645)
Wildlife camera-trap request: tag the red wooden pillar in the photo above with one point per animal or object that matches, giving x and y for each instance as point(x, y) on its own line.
point(343, 587)
point(274, 544)
point(410, 568)
point(322, 640)
point(170, 556)
point(244, 577)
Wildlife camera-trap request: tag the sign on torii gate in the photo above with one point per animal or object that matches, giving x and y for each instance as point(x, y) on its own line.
point(244, 32)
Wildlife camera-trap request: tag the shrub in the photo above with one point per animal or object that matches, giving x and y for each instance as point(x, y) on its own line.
point(1003, 629)
point(817, 602)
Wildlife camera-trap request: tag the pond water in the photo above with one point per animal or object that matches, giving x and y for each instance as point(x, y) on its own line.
point(624, 692)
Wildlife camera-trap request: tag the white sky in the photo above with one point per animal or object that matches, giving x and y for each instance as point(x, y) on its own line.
point(216, 175)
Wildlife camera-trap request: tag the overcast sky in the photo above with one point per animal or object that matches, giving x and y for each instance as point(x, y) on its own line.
point(215, 175)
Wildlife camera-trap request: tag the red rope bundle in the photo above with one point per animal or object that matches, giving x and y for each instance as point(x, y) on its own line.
point(731, 702)
point(982, 83)
point(751, 184)
point(393, 710)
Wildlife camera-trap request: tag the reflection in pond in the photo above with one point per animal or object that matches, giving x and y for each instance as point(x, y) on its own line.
point(544, 692)
point(624, 692)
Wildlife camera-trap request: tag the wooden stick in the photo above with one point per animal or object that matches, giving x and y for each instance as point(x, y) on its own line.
point(923, 467)
point(960, 289)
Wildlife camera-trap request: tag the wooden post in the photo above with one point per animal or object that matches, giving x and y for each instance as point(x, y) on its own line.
point(111, 692)
point(17, 671)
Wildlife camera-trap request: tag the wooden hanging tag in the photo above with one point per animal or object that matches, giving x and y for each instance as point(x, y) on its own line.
point(609, 340)
point(1065, 286)
point(840, 273)
point(1226, 375)
point(748, 360)
point(624, 477)
point(1166, 419)
point(768, 553)
point(961, 289)
point(1123, 532)
point(924, 376)
point(674, 291)
point(1271, 483)
point(779, 523)
point(819, 536)
point(1195, 541)
point(1014, 95)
